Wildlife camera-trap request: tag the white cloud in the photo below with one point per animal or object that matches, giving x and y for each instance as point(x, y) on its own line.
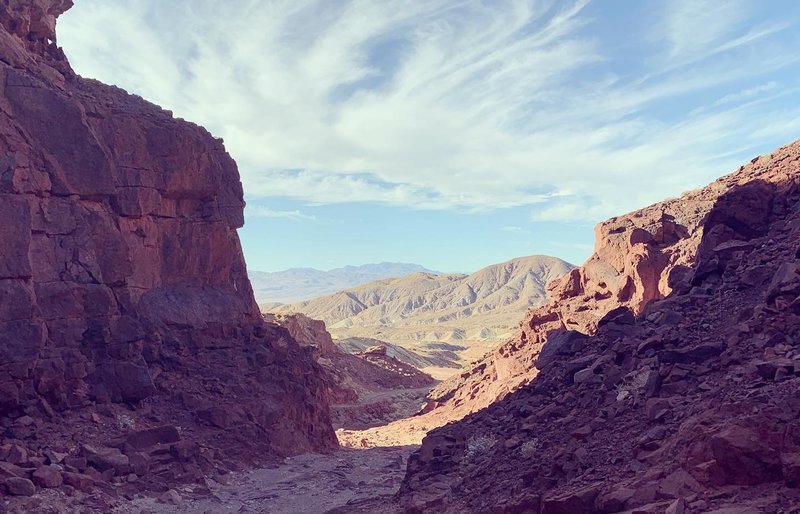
point(448, 104)
point(746, 94)
point(261, 211)
point(695, 26)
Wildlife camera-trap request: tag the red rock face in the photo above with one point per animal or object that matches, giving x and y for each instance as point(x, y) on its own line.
point(121, 273)
point(348, 377)
point(639, 257)
point(689, 406)
point(365, 389)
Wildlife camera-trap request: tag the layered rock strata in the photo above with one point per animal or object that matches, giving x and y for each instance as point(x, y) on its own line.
point(122, 280)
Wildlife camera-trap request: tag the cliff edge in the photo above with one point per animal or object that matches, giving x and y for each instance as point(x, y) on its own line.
point(125, 299)
point(683, 403)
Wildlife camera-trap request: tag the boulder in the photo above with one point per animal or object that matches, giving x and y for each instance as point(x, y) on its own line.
point(171, 497)
point(785, 281)
point(614, 500)
point(8, 470)
point(104, 459)
point(584, 376)
point(622, 315)
point(573, 502)
point(143, 439)
point(20, 487)
point(79, 481)
point(676, 507)
point(17, 454)
point(140, 463)
point(560, 343)
point(694, 355)
point(47, 477)
point(744, 457)
point(769, 369)
point(215, 416)
point(75, 462)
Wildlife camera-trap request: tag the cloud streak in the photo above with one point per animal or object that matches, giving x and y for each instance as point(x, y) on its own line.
point(451, 104)
point(261, 211)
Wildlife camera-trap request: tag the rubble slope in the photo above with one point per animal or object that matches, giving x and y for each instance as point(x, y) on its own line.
point(685, 403)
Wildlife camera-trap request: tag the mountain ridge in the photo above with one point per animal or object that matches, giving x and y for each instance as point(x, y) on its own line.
point(424, 307)
point(303, 283)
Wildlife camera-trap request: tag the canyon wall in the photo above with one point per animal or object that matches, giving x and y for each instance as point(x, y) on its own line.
point(685, 403)
point(121, 274)
point(638, 257)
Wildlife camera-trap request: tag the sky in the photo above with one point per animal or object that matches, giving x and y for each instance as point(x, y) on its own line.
point(454, 133)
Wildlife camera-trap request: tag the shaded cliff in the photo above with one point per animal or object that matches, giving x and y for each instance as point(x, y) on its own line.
point(638, 257)
point(684, 404)
point(365, 388)
point(121, 274)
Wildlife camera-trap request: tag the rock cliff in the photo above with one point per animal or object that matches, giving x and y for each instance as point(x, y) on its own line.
point(363, 388)
point(686, 403)
point(638, 257)
point(121, 274)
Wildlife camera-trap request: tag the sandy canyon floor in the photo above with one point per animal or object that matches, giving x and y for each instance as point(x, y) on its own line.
point(362, 476)
point(309, 484)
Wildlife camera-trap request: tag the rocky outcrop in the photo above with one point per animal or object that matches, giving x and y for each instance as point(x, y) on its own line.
point(638, 258)
point(357, 386)
point(407, 375)
point(684, 404)
point(438, 355)
point(121, 275)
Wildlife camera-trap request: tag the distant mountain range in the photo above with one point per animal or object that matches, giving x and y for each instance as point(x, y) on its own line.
point(297, 284)
point(425, 308)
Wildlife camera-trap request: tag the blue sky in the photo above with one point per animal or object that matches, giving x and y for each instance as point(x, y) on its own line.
point(454, 133)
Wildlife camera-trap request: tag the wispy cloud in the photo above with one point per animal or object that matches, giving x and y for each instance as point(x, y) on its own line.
point(452, 104)
point(513, 228)
point(694, 27)
point(265, 212)
point(746, 94)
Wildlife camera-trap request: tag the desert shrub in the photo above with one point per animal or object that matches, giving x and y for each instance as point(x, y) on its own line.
point(125, 422)
point(530, 447)
point(478, 445)
point(633, 385)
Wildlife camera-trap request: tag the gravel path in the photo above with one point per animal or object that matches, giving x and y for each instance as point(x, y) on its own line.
point(307, 484)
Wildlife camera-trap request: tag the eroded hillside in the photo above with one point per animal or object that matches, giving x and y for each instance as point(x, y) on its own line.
point(366, 388)
point(687, 403)
point(423, 310)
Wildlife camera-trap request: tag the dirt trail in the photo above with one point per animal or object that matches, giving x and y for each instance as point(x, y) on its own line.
point(308, 484)
point(418, 394)
point(345, 481)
